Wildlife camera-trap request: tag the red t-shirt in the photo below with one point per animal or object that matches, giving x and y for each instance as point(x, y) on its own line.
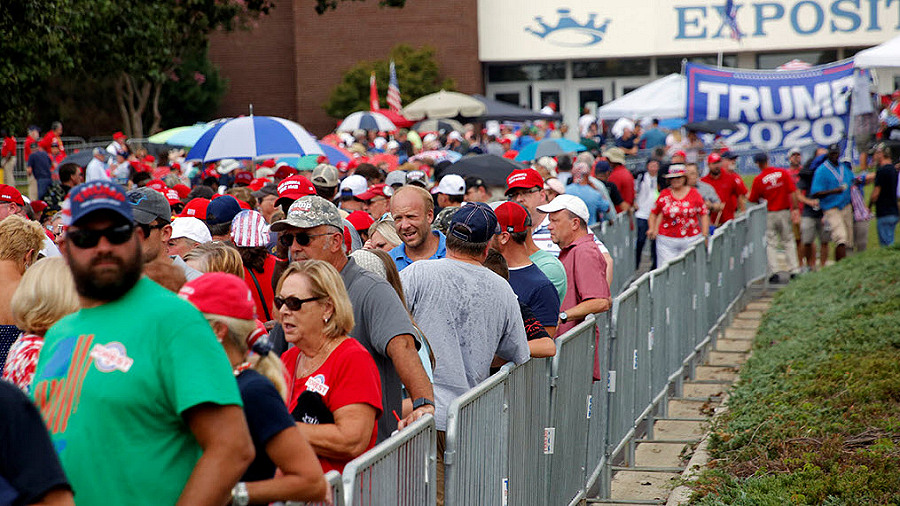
point(9, 147)
point(729, 186)
point(29, 146)
point(680, 217)
point(776, 186)
point(624, 181)
point(348, 376)
point(265, 284)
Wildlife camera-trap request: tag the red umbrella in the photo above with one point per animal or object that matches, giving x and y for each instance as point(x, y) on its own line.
point(396, 118)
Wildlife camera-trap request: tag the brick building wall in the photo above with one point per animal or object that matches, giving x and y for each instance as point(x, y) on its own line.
point(288, 65)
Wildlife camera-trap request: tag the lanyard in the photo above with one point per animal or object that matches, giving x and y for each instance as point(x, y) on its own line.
point(838, 176)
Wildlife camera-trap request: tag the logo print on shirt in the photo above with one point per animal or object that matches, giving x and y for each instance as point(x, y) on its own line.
point(58, 390)
point(111, 357)
point(317, 384)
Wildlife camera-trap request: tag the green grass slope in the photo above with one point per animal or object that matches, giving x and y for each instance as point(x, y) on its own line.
point(815, 418)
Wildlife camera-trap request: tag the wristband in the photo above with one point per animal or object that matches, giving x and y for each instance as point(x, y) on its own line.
point(422, 401)
point(239, 495)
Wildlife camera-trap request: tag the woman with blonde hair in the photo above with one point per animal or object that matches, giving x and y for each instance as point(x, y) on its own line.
point(334, 391)
point(229, 308)
point(45, 294)
point(382, 235)
point(20, 242)
point(216, 256)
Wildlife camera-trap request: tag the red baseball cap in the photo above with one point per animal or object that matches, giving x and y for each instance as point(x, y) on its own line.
point(148, 159)
point(38, 206)
point(243, 205)
point(511, 154)
point(222, 294)
point(524, 178)
point(269, 164)
point(376, 190)
point(119, 135)
point(713, 158)
point(196, 208)
point(512, 217)
point(11, 194)
point(680, 153)
point(182, 190)
point(258, 183)
point(285, 171)
point(172, 196)
point(360, 220)
point(243, 177)
point(157, 185)
point(293, 188)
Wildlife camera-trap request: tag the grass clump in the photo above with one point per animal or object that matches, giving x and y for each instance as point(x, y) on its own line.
point(815, 417)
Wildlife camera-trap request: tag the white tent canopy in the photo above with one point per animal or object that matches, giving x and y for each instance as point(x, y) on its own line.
point(663, 98)
point(882, 55)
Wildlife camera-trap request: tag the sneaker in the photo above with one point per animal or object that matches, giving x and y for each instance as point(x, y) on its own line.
point(774, 278)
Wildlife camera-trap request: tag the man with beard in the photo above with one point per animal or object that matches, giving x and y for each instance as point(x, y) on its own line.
point(136, 392)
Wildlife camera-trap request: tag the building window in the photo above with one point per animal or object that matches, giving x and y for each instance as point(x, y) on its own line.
point(526, 72)
point(611, 68)
point(666, 65)
point(773, 60)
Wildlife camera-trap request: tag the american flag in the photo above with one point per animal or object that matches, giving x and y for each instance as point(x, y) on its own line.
point(393, 92)
point(731, 19)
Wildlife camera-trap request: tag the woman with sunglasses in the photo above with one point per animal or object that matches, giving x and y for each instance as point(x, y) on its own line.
point(334, 391)
point(229, 308)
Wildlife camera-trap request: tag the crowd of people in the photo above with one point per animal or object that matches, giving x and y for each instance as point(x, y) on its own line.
point(231, 331)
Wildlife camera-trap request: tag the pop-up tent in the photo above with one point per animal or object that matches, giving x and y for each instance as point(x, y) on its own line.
point(882, 55)
point(663, 98)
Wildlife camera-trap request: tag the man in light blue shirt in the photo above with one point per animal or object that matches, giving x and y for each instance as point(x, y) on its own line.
point(831, 186)
point(413, 211)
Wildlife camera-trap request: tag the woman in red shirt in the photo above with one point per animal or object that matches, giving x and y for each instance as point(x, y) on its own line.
point(679, 218)
point(334, 390)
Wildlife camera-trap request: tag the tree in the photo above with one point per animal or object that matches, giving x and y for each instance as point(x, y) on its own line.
point(417, 75)
point(193, 91)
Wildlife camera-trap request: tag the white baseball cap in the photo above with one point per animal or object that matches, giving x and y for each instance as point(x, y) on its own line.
point(568, 202)
point(190, 228)
point(354, 184)
point(451, 184)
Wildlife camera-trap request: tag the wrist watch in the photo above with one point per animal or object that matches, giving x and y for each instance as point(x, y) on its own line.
point(422, 401)
point(563, 317)
point(239, 495)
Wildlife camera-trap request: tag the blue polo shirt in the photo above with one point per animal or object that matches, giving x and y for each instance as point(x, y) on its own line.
point(403, 261)
point(829, 177)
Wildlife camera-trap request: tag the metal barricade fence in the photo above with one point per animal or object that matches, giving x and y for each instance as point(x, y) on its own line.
point(544, 432)
point(400, 470)
point(336, 484)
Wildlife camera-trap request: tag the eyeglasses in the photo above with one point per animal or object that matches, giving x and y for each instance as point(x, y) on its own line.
point(149, 228)
point(87, 238)
point(516, 194)
point(303, 239)
point(293, 303)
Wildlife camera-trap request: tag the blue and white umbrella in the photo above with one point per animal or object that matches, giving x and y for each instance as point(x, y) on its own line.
point(548, 147)
point(367, 120)
point(254, 137)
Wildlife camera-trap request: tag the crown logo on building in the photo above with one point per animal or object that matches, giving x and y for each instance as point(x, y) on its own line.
point(568, 32)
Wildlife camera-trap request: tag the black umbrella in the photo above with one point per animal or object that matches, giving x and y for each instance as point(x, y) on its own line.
point(438, 125)
point(492, 169)
point(711, 126)
point(81, 158)
point(502, 111)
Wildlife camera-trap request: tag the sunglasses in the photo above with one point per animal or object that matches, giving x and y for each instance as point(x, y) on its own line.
point(87, 238)
point(293, 303)
point(302, 238)
point(515, 194)
point(148, 228)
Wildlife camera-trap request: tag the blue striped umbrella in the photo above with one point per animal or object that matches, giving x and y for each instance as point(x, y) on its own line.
point(254, 137)
point(367, 120)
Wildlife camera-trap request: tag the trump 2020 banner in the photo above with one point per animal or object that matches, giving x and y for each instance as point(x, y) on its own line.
point(773, 108)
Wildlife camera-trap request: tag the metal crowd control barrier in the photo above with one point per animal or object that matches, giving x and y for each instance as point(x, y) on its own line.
point(401, 470)
point(337, 493)
point(619, 239)
point(545, 433)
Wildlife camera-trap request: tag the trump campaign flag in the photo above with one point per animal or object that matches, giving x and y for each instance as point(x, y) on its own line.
point(773, 108)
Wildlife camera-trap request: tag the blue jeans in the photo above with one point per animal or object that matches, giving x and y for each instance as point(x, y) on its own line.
point(42, 186)
point(886, 226)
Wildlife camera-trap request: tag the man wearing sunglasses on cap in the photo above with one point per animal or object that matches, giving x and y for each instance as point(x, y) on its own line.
point(313, 230)
point(138, 396)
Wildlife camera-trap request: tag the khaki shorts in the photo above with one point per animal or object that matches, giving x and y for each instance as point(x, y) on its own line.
point(839, 222)
point(812, 228)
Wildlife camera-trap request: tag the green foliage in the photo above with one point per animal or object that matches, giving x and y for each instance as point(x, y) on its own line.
point(815, 418)
point(417, 75)
point(193, 92)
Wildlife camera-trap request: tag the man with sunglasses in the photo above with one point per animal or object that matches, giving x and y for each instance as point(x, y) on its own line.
point(313, 230)
point(137, 394)
point(153, 215)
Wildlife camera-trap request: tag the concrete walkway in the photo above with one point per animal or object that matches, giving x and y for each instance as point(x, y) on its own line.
point(679, 439)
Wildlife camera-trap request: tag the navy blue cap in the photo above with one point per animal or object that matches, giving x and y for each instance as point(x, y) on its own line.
point(474, 222)
point(95, 196)
point(729, 155)
point(760, 157)
point(222, 210)
point(602, 166)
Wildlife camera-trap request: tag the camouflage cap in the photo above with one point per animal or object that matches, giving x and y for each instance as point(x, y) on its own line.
point(442, 220)
point(308, 212)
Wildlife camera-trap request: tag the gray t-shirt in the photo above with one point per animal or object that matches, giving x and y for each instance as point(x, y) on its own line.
point(708, 192)
point(469, 314)
point(380, 316)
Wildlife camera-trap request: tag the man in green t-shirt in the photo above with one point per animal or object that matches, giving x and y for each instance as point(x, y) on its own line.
point(137, 394)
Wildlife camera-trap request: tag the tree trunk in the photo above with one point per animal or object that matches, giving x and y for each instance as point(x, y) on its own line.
point(154, 107)
point(132, 98)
